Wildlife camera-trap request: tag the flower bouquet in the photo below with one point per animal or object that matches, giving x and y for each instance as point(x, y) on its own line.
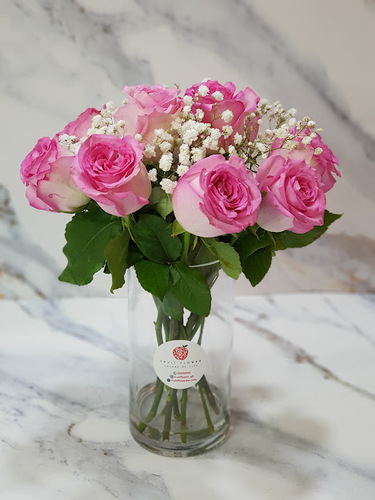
point(182, 188)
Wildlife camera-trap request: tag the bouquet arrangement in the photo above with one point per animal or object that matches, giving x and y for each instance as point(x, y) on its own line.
point(164, 182)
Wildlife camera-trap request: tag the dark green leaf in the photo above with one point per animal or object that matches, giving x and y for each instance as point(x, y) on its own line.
point(256, 266)
point(153, 277)
point(154, 238)
point(172, 307)
point(116, 253)
point(160, 201)
point(248, 242)
point(190, 289)
point(227, 255)
point(87, 235)
point(287, 239)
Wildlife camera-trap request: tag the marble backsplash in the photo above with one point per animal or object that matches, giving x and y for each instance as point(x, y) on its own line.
point(59, 57)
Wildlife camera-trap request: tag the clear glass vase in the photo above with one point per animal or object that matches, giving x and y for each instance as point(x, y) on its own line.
point(180, 369)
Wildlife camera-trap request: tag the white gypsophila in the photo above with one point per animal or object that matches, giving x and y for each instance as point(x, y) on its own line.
point(162, 135)
point(125, 101)
point(120, 124)
point(318, 151)
point(227, 130)
point(187, 111)
point(66, 139)
point(188, 100)
point(232, 150)
point(184, 154)
point(182, 169)
point(217, 95)
point(111, 106)
point(237, 138)
point(165, 146)
point(203, 90)
point(153, 175)
point(165, 162)
point(197, 154)
point(176, 124)
point(292, 112)
point(306, 140)
point(138, 137)
point(149, 151)
point(199, 114)
point(189, 136)
point(168, 186)
point(106, 113)
point(222, 151)
point(312, 135)
point(96, 121)
point(260, 147)
point(227, 115)
point(292, 122)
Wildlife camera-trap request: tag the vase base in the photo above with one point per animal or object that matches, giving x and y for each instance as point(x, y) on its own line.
point(193, 438)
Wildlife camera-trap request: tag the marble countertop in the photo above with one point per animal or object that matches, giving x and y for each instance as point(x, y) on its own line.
point(303, 404)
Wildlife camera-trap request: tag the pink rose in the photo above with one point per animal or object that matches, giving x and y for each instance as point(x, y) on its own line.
point(324, 163)
point(149, 108)
point(81, 124)
point(216, 197)
point(46, 173)
point(110, 171)
point(294, 199)
point(220, 98)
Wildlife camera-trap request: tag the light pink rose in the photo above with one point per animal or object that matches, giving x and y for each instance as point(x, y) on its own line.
point(216, 197)
point(241, 105)
point(109, 170)
point(46, 173)
point(324, 163)
point(80, 126)
point(149, 108)
point(294, 199)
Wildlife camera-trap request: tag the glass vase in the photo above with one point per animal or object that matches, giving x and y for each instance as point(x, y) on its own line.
point(180, 369)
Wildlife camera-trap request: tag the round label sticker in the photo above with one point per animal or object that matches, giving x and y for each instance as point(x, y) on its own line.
point(179, 363)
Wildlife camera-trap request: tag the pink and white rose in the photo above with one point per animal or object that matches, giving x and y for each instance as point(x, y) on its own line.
point(316, 153)
point(220, 98)
point(46, 173)
point(216, 196)
point(149, 108)
point(80, 126)
point(294, 198)
point(109, 170)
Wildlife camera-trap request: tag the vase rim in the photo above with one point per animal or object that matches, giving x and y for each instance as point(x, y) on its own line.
point(211, 263)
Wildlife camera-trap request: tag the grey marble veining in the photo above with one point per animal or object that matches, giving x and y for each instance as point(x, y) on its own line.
point(303, 404)
point(59, 57)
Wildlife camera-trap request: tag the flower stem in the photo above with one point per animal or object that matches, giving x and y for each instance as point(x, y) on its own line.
point(184, 398)
point(152, 413)
point(206, 412)
point(168, 415)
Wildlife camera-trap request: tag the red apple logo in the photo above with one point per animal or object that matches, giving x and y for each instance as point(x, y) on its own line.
point(180, 352)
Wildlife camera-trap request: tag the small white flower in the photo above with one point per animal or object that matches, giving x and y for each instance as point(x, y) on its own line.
point(168, 186)
point(165, 146)
point(306, 140)
point(203, 90)
point(199, 114)
point(166, 162)
point(263, 102)
point(182, 169)
point(153, 175)
point(197, 153)
point(111, 106)
point(138, 137)
point(237, 138)
point(188, 100)
point(292, 122)
point(232, 150)
point(149, 151)
point(217, 95)
point(311, 124)
point(121, 123)
point(125, 101)
point(292, 112)
point(318, 151)
point(187, 110)
point(227, 115)
point(106, 113)
point(96, 121)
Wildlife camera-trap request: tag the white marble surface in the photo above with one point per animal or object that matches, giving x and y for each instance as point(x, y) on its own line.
point(58, 57)
point(303, 405)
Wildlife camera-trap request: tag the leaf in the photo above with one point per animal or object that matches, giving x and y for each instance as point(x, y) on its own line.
point(256, 266)
point(248, 242)
point(160, 201)
point(154, 238)
point(116, 253)
point(87, 235)
point(287, 239)
point(227, 255)
point(190, 289)
point(172, 307)
point(153, 277)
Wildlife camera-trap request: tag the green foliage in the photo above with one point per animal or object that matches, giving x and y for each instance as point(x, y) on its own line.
point(160, 201)
point(153, 236)
point(87, 236)
point(153, 277)
point(116, 253)
point(227, 255)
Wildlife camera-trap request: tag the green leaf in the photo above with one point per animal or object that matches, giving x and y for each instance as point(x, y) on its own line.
point(227, 255)
point(154, 238)
point(160, 201)
point(177, 228)
point(256, 265)
point(190, 288)
point(249, 242)
point(153, 277)
point(116, 253)
point(87, 235)
point(287, 239)
point(172, 307)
